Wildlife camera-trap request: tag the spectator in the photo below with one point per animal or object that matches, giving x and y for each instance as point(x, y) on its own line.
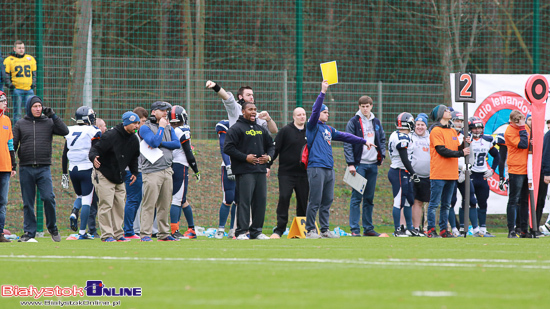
point(157, 176)
point(288, 145)
point(365, 161)
point(116, 150)
point(228, 186)
point(420, 138)
point(183, 159)
point(32, 139)
point(517, 143)
point(7, 162)
point(320, 168)
point(250, 148)
point(134, 192)
point(444, 153)
point(77, 147)
point(20, 71)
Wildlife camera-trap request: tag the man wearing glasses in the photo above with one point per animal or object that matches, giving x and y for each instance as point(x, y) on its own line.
point(445, 149)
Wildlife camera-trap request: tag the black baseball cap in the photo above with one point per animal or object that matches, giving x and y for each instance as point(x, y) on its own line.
point(161, 105)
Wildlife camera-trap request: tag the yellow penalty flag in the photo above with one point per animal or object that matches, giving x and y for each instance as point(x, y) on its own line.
point(330, 72)
point(298, 228)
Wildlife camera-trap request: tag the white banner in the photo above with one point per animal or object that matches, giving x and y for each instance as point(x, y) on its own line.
point(496, 96)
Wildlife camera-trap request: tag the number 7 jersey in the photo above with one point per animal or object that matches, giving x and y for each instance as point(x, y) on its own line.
point(79, 142)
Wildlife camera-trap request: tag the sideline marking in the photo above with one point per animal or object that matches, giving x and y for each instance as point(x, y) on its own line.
point(471, 263)
point(433, 293)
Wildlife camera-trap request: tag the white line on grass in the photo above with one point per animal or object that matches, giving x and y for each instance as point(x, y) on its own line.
point(433, 293)
point(472, 263)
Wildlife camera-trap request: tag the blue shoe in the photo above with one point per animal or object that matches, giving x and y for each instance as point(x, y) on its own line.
point(110, 239)
point(85, 236)
point(168, 238)
point(146, 238)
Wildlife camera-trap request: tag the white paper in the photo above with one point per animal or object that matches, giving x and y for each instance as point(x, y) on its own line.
point(357, 182)
point(151, 154)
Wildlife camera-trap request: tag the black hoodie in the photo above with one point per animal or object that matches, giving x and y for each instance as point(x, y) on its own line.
point(247, 137)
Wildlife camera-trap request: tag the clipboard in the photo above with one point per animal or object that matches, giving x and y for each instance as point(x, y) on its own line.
point(151, 154)
point(357, 182)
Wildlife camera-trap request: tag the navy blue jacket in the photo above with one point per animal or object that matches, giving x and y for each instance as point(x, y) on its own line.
point(353, 152)
point(546, 155)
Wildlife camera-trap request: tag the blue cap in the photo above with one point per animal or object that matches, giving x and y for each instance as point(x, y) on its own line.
point(323, 107)
point(422, 117)
point(528, 115)
point(129, 118)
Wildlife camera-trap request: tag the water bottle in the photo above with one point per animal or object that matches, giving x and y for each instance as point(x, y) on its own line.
point(199, 230)
point(470, 230)
point(210, 232)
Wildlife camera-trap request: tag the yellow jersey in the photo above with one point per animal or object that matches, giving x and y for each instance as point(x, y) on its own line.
point(20, 70)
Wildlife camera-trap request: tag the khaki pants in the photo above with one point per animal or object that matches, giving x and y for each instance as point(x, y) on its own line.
point(110, 206)
point(157, 195)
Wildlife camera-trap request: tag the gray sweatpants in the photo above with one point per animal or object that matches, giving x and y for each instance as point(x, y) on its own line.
point(321, 194)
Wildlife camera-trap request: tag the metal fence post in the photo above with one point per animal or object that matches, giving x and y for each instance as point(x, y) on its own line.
point(285, 97)
point(188, 85)
point(380, 112)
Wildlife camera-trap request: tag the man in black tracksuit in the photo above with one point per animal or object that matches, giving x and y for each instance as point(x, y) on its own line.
point(250, 148)
point(288, 146)
point(32, 140)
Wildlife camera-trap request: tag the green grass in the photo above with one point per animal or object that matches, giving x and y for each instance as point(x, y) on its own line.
point(362, 272)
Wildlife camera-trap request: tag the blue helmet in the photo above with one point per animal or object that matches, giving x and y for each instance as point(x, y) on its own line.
point(85, 115)
point(178, 114)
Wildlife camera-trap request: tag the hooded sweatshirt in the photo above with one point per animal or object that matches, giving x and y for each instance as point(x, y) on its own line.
point(32, 136)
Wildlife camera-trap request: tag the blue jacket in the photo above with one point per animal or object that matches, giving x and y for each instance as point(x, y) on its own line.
point(353, 152)
point(319, 138)
point(545, 166)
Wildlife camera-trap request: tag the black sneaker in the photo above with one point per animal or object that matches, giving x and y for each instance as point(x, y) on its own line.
point(400, 233)
point(55, 235)
point(24, 238)
point(512, 234)
point(371, 233)
point(74, 219)
point(432, 233)
point(414, 233)
point(528, 235)
point(446, 234)
point(178, 235)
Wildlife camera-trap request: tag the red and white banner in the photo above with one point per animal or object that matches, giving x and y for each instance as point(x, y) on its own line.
point(496, 96)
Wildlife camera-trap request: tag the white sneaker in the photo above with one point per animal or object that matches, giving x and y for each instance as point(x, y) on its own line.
point(329, 234)
point(456, 232)
point(312, 235)
point(242, 237)
point(262, 237)
point(545, 229)
point(219, 234)
point(231, 233)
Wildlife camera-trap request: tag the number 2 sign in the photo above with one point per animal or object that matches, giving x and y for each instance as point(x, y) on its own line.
point(465, 87)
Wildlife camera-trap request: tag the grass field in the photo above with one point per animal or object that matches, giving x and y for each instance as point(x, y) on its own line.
point(326, 273)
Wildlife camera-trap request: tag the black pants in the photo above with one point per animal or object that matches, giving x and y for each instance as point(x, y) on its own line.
point(518, 202)
point(92, 228)
point(252, 190)
point(541, 198)
point(287, 184)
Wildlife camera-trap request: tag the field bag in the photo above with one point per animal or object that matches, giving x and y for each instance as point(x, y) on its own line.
point(304, 158)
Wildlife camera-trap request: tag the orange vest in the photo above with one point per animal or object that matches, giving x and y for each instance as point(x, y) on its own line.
point(5, 135)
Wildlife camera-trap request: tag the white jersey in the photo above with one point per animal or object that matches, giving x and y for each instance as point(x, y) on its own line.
point(79, 142)
point(479, 150)
point(184, 136)
point(421, 154)
point(398, 141)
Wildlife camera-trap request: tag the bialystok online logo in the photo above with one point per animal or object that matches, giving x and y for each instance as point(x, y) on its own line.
point(93, 288)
